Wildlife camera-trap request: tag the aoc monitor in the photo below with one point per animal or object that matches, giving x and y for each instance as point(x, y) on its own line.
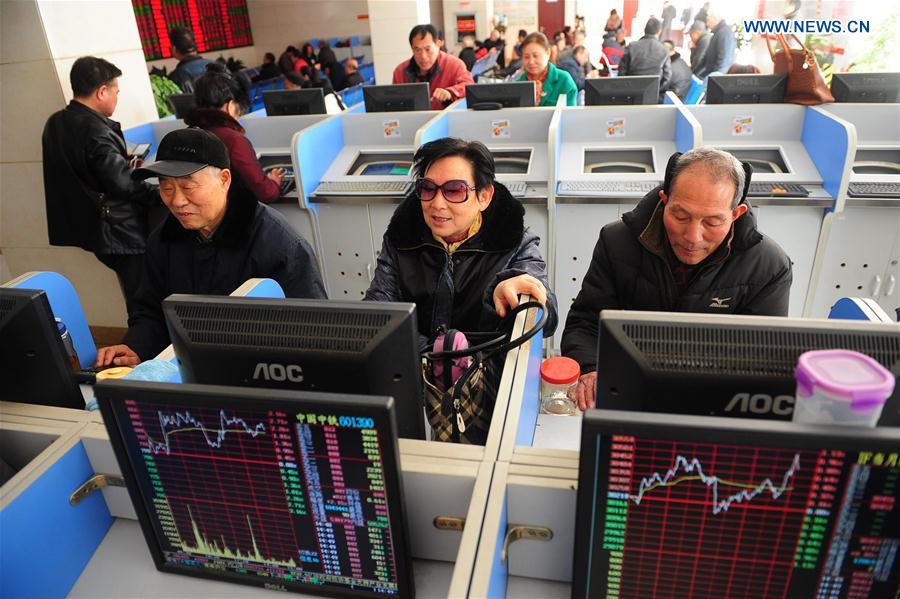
point(680, 506)
point(286, 490)
point(282, 102)
point(641, 89)
point(494, 96)
point(746, 89)
point(724, 365)
point(182, 104)
point(866, 87)
point(403, 97)
point(370, 348)
point(34, 365)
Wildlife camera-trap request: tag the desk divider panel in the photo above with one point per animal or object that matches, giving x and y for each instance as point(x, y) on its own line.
point(688, 133)
point(65, 305)
point(831, 143)
point(434, 129)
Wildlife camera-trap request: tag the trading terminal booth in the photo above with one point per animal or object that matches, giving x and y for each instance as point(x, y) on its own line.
point(799, 157)
point(607, 158)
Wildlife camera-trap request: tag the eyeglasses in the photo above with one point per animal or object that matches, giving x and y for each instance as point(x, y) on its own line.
point(455, 191)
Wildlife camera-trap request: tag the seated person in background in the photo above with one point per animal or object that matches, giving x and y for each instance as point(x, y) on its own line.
point(700, 38)
point(210, 244)
point(496, 41)
point(220, 99)
point(190, 64)
point(614, 46)
point(648, 56)
point(333, 104)
point(268, 69)
point(446, 75)
point(458, 246)
point(517, 49)
point(680, 81)
point(351, 75)
point(690, 246)
point(467, 54)
point(550, 82)
point(743, 69)
point(326, 54)
point(573, 64)
point(286, 60)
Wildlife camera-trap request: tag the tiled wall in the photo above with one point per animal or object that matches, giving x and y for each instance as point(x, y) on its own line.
point(39, 41)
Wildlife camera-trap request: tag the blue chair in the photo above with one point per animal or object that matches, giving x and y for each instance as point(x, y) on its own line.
point(695, 91)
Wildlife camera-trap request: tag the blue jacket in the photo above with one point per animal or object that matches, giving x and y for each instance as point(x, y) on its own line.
point(571, 66)
point(188, 69)
point(457, 290)
point(720, 53)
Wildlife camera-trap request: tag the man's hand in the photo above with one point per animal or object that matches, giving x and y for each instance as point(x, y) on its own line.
point(585, 392)
point(441, 95)
point(276, 174)
point(506, 294)
point(116, 355)
point(593, 74)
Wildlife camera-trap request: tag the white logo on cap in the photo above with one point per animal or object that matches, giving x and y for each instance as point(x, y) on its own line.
point(184, 149)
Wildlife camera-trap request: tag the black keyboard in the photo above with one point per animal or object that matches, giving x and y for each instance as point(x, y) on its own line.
point(873, 190)
point(777, 190)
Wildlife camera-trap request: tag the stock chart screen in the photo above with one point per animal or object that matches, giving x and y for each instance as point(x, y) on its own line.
point(685, 518)
point(289, 499)
point(216, 24)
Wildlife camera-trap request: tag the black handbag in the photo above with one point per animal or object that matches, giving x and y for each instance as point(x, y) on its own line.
point(460, 411)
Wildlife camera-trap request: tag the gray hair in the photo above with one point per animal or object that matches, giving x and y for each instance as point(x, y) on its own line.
point(718, 164)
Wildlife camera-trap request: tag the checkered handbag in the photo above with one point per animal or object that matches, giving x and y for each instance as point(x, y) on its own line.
point(460, 411)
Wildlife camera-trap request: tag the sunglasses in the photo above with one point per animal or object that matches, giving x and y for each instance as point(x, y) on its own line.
point(455, 191)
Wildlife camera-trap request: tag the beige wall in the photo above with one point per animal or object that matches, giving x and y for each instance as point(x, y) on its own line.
point(390, 22)
point(39, 41)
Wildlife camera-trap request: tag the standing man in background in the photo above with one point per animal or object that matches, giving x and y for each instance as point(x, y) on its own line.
point(92, 201)
point(446, 75)
point(699, 44)
point(668, 15)
point(190, 64)
point(722, 47)
point(648, 56)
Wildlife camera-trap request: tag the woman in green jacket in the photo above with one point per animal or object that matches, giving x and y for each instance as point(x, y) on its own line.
point(550, 82)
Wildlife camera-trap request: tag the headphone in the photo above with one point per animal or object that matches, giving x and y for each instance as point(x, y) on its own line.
point(670, 169)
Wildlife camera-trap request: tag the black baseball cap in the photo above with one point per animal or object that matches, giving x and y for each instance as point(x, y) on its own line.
point(183, 152)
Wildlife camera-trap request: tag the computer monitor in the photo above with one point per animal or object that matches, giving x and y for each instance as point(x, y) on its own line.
point(287, 490)
point(677, 506)
point(745, 89)
point(182, 104)
point(866, 87)
point(494, 96)
point(724, 365)
point(639, 89)
point(315, 345)
point(34, 365)
point(282, 102)
point(402, 97)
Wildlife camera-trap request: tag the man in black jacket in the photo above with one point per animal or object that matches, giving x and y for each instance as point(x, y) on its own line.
point(210, 243)
point(190, 64)
point(680, 82)
point(690, 246)
point(648, 56)
point(699, 44)
point(722, 47)
point(92, 202)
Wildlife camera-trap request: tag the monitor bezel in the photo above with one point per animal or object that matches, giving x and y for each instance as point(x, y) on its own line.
point(615, 148)
point(376, 93)
point(182, 100)
point(850, 83)
point(310, 97)
point(775, 81)
point(518, 89)
point(530, 149)
point(593, 87)
point(378, 407)
point(707, 429)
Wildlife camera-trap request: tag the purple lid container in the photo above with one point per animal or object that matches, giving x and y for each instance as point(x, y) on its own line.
point(844, 373)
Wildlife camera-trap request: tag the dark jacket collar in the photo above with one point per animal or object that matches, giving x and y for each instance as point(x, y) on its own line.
point(234, 228)
point(77, 106)
point(412, 70)
point(744, 233)
point(187, 59)
point(501, 229)
point(212, 117)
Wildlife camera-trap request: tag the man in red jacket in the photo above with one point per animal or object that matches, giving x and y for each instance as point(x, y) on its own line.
point(446, 75)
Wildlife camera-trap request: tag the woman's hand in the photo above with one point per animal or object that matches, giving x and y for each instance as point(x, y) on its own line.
point(276, 174)
point(506, 294)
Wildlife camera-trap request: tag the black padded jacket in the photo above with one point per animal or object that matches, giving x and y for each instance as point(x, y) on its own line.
point(457, 289)
point(748, 274)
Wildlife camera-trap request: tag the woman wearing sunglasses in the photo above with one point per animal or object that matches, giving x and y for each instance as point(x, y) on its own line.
point(458, 246)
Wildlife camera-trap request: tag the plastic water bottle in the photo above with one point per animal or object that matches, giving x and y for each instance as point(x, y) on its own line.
point(67, 343)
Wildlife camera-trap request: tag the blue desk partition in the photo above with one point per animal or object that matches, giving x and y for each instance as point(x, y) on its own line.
point(500, 569)
point(66, 306)
point(687, 130)
point(316, 148)
point(142, 134)
point(436, 128)
point(45, 543)
point(858, 308)
point(831, 144)
point(531, 396)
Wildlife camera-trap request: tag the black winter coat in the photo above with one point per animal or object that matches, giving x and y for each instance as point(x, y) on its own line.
point(698, 52)
point(721, 51)
point(647, 56)
point(457, 290)
point(252, 241)
point(681, 79)
point(748, 274)
point(92, 201)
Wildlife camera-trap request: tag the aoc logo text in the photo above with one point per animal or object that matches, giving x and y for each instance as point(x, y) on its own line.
point(278, 372)
point(760, 403)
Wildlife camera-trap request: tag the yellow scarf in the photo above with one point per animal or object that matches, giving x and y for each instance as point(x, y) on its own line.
point(453, 246)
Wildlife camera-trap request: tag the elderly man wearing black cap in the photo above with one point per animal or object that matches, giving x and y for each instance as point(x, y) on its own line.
point(209, 244)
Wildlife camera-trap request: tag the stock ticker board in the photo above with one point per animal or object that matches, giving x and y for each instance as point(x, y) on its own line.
point(216, 24)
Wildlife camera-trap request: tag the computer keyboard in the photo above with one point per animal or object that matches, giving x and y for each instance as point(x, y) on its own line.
point(363, 187)
point(873, 190)
point(606, 188)
point(516, 188)
point(777, 190)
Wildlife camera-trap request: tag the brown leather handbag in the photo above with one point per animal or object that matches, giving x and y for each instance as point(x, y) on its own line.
point(805, 84)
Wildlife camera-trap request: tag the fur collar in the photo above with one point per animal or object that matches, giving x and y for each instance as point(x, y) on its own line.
point(235, 226)
point(501, 229)
point(212, 117)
